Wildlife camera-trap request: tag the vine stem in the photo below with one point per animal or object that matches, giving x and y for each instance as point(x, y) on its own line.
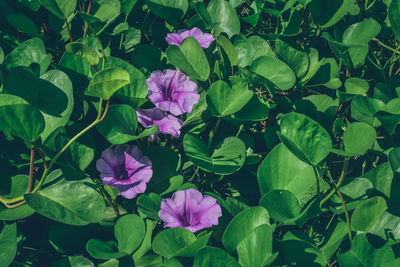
point(32, 159)
point(317, 180)
point(98, 119)
point(87, 24)
point(342, 176)
point(386, 46)
point(68, 29)
point(346, 211)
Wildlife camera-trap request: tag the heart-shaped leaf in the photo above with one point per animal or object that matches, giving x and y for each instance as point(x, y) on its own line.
point(106, 82)
point(60, 8)
point(224, 100)
point(223, 17)
point(190, 58)
point(394, 17)
point(227, 158)
point(99, 249)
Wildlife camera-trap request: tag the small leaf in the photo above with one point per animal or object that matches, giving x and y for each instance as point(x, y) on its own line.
point(224, 100)
point(129, 231)
point(227, 158)
point(358, 138)
point(394, 17)
point(356, 86)
point(106, 82)
point(101, 250)
point(282, 205)
point(83, 50)
point(229, 49)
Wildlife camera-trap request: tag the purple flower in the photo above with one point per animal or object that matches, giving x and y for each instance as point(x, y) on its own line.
point(204, 39)
point(172, 91)
point(167, 124)
point(125, 168)
point(190, 209)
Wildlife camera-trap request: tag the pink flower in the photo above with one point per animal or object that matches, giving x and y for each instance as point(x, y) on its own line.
point(204, 39)
point(167, 124)
point(190, 209)
point(125, 168)
point(172, 91)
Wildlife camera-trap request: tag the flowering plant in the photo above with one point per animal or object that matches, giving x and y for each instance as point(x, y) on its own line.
point(199, 133)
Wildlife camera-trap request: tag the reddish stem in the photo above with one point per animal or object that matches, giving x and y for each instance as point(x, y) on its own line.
point(87, 24)
point(69, 30)
point(105, 110)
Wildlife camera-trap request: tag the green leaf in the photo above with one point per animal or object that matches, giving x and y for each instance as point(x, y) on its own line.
point(190, 58)
point(356, 86)
point(242, 225)
point(227, 158)
point(27, 53)
point(146, 244)
point(329, 13)
point(282, 205)
point(178, 242)
point(170, 10)
point(19, 118)
point(68, 202)
point(129, 231)
point(394, 17)
point(229, 49)
point(358, 138)
point(296, 59)
point(223, 17)
point(363, 253)
point(119, 126)
point(224, 100)
point(75, 261)
point(83, 50)
point(361, 33)
point(256, 248)
point(127, 5)
point(275, 71)
point(250, 49)
point(101, 250)
point(108, 10)
point(216, 257)
point(149, 205)
point(367, 213)
point(254, 110)
point(305, 138)
point(136, 88)
point(106, 82)
point(62, 9)
point(335, 236)
point(22, 23)
point(282, 170)
point(8, 243)
point(75, 63)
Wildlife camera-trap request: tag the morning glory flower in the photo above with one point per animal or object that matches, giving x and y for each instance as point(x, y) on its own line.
point(190, 209)
point(167, 124)
point(172, 91)
point(204, 39)
point(125, 168)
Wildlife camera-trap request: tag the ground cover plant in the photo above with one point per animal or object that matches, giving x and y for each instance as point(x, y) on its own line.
point(199, 133)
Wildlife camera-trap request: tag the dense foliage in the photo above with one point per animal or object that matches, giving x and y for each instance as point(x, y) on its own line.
point(200, 133)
